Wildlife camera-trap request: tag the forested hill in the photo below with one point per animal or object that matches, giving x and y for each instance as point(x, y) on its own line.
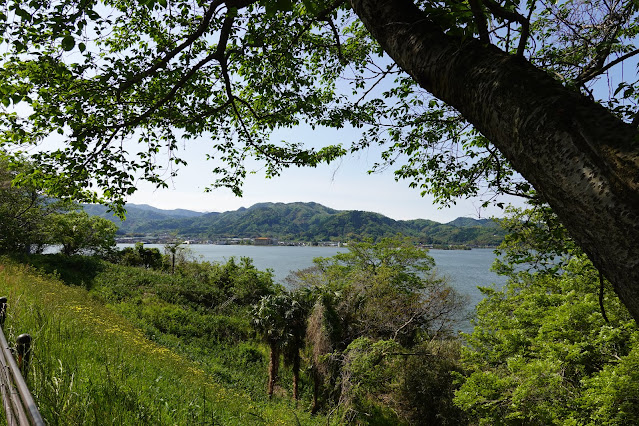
point(298, 221)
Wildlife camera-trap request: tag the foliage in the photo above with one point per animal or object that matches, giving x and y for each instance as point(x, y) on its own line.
point(186, 312)
point(140, 256)
point(385, 290)
point(240, 282)
point(535, 241)
point(429, 379)
point(25, 214)
point(544, 346)
point(175, 253)
point(157, 72)
point(29, 221)
point(369, 378)
point(78, 232)
point(395, 384)
point(281, 321)
point(191, 303)
point(92, 366)
point(375, 299)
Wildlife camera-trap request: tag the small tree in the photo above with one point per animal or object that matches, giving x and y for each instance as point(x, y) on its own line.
point(173, 250)
point(141, 256)
point(281, 321)
point(386, 290)
point(25, 223)
point(78, 232)
point(375, 292)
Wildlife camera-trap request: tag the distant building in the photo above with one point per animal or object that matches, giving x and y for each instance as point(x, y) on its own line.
point(262, 241)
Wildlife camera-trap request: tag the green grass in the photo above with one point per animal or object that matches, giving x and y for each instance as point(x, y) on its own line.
point(91, 365)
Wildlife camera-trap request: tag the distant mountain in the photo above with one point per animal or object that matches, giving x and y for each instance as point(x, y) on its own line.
point(468, 222)
point(140, 212)
point(298, 222)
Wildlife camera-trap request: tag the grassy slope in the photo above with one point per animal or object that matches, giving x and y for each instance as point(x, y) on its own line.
point(92, 366)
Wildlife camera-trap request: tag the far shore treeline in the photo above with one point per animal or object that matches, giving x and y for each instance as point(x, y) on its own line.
point(294, 222)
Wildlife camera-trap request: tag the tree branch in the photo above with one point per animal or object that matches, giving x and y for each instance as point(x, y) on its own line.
point(480, 21)
point(504, 13)
point(206, 20)
point(594, 72)
point(34, 198)
point(596, 65)
point(581, 159)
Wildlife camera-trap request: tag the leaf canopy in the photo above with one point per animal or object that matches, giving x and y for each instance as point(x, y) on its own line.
point(106, 88)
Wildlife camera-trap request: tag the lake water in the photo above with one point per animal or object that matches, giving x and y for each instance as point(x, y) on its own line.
point(465, 269)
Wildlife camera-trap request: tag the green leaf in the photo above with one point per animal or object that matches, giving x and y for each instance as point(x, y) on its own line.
point(68, 43)
point(273, 6)
point(19, 46)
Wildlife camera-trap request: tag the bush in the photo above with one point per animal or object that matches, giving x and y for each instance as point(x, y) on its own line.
point(428, 384)
point(384, 383)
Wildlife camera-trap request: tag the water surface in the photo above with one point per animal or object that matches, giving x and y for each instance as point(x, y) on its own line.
point(465, 269)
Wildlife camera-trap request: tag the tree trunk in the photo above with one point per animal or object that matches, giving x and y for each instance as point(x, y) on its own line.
point(273, 369)
point(296, 375)
point(580, 158)
point(316, 389)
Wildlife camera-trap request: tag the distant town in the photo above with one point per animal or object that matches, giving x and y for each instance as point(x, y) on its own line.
point(259, 241)
point(264, 241)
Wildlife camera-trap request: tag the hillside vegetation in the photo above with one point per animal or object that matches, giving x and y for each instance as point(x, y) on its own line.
point(91, 365)
point(220, 343)
point(363, 337)
point(301, 222)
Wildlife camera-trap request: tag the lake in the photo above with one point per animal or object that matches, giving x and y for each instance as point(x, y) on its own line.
point(465, 269)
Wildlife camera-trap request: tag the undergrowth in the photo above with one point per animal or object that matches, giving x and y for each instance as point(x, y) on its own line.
point(161, 364)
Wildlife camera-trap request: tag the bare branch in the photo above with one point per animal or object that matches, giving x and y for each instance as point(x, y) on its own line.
point(592, 73)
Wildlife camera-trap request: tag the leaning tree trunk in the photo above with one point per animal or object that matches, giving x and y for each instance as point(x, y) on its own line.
point(580, 158)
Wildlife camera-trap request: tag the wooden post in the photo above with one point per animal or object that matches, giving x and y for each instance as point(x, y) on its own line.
point(23, 347)
point(3, 310)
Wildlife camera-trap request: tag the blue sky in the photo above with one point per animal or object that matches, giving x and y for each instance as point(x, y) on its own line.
point(343, 185)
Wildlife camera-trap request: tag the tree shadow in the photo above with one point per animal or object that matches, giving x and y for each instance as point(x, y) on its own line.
point(72, 270)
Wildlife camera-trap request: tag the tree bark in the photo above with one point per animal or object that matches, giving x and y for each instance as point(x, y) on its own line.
point(316, 389)
point(296, 375)
point(580, 158)
point(273, 369)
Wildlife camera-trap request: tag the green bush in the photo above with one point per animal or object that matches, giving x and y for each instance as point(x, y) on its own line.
point(429, 378)
point(542, 352)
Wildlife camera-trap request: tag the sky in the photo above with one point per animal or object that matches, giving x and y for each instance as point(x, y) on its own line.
point(342, 185)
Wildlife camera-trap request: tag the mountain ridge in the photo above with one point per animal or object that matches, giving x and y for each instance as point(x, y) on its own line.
point(298, 221)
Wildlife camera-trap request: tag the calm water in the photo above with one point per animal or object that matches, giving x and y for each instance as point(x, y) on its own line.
point(465, 269)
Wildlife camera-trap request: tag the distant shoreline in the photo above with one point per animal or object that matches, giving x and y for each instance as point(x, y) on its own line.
point(147, 241)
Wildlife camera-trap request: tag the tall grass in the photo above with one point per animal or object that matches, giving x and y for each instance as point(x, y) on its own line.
point(92, 366)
